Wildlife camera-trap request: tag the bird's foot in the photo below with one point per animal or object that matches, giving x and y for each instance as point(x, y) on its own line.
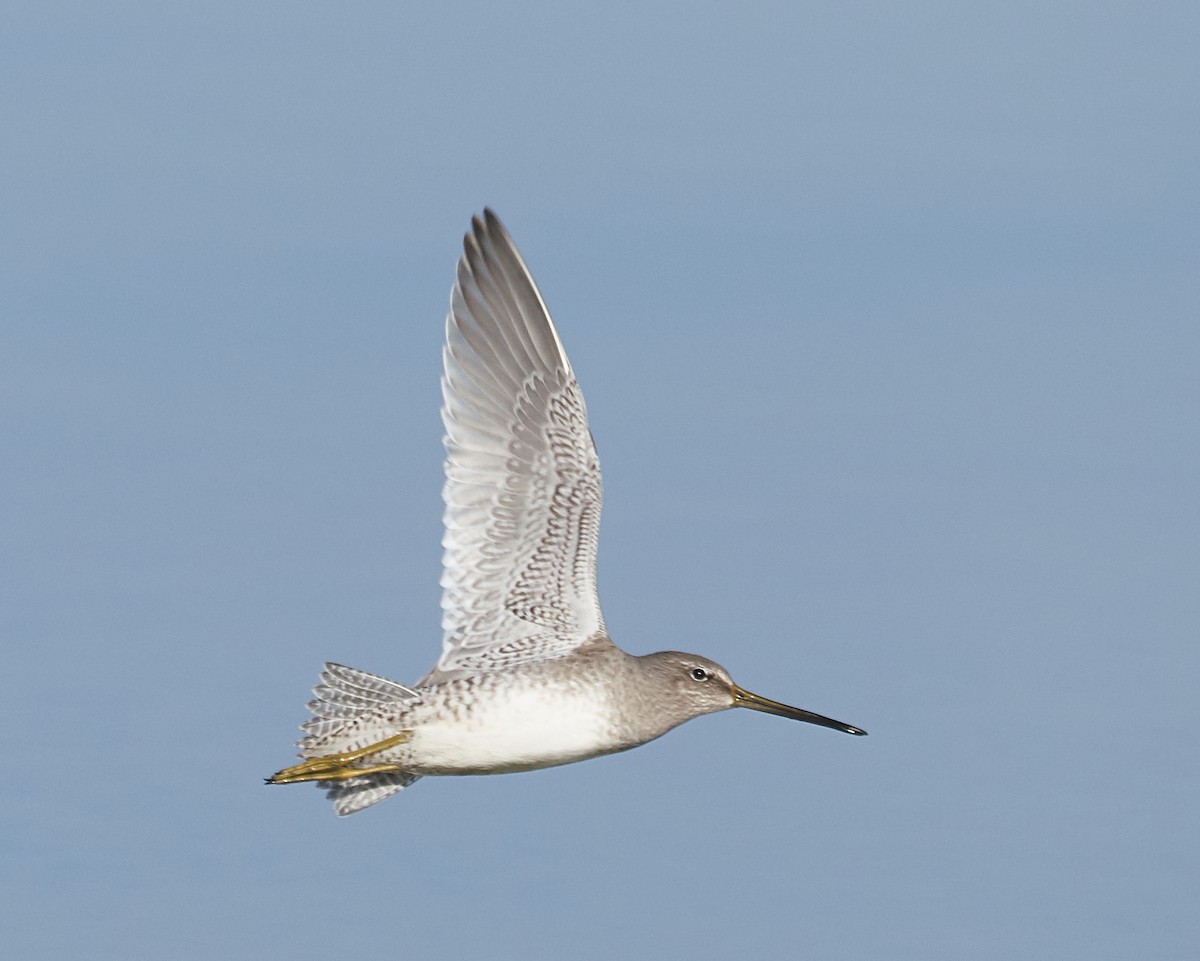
point(340, 767)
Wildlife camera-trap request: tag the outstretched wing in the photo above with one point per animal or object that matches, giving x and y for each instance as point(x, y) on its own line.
point(522, 487)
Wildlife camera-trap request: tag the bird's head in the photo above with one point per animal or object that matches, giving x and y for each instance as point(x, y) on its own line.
point(695, 685)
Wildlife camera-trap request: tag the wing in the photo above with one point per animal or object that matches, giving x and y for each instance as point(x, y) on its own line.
point(522, 487)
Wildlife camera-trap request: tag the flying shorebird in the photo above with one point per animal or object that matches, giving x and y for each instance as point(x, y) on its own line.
point(528, 677)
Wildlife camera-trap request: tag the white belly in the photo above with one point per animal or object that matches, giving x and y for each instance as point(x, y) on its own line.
point(531, 729)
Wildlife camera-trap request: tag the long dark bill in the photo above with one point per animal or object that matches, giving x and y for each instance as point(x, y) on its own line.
point(743, 698)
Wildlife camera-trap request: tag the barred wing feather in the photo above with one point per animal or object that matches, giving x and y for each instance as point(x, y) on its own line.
point(523, 488)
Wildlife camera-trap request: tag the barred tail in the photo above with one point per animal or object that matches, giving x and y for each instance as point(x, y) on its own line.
point(342, 695)
point(357, 794)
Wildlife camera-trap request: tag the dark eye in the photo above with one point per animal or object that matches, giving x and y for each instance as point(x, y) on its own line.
point(699, 674)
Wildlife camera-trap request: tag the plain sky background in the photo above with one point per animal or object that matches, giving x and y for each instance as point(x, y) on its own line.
point(888, 318)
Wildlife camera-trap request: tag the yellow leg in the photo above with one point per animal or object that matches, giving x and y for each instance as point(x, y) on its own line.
point(340, 767)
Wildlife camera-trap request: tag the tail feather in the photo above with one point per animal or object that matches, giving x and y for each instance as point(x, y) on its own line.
point(350, 797)
point(343, 694)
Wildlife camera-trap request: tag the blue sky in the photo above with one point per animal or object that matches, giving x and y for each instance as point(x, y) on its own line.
point(888, 320)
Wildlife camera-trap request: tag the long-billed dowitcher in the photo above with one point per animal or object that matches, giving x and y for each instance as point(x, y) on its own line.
point(528, 677)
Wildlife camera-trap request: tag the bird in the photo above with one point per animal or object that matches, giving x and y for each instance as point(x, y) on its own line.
point(528, 677)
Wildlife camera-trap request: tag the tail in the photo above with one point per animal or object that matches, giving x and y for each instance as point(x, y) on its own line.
point(343, 695)
point(359, 793)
